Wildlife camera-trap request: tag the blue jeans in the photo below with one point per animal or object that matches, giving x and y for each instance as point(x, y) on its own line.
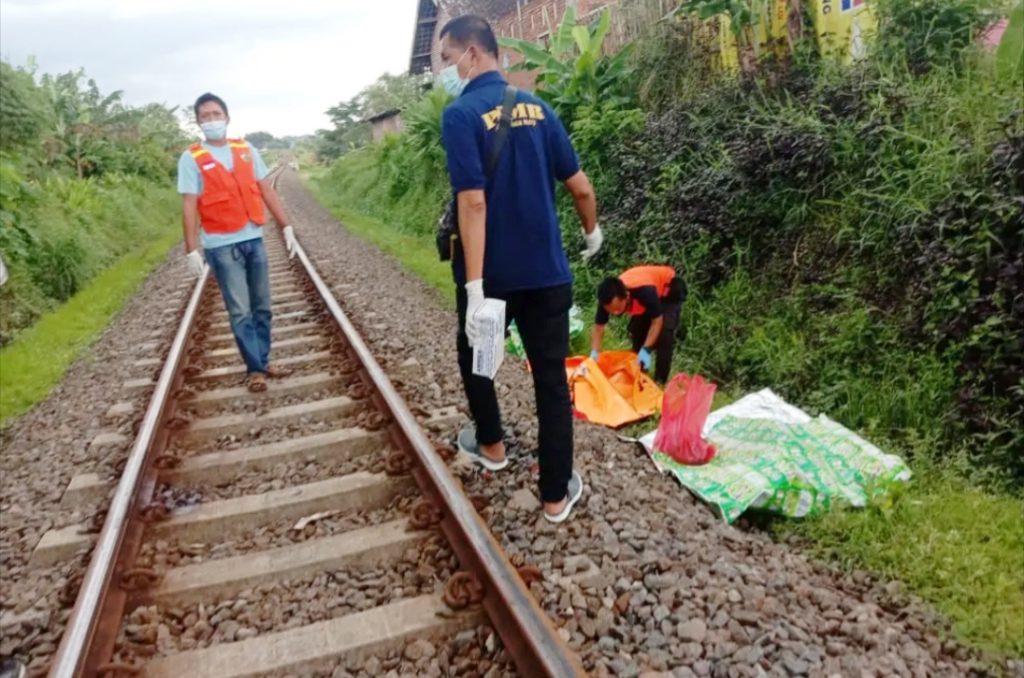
point(241, 273)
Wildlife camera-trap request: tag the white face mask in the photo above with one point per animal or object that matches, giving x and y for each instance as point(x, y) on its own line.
point(450, 80)
point(215, 130)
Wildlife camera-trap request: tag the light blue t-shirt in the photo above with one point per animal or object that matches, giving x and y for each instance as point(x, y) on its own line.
point(190, 181)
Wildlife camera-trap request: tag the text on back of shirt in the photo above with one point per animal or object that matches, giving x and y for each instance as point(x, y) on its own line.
point(522, 114)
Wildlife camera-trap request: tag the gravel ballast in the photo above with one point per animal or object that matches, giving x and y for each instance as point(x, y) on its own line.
point(642, 580)
point(46, 447)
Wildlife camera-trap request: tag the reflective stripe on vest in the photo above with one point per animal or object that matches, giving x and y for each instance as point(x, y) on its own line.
point(658, 277)
point(230, 198)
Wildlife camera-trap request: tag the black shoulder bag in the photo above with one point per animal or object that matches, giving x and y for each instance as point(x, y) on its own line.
point(448, 224)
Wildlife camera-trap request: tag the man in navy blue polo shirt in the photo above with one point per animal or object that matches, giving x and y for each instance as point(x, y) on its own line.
point(510, 247)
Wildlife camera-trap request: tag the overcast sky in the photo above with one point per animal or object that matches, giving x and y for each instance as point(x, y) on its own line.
point(278, 65)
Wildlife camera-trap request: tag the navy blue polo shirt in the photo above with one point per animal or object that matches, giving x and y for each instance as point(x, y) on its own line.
point(524, 242)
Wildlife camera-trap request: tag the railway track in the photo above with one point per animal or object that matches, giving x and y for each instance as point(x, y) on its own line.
point(291, 531)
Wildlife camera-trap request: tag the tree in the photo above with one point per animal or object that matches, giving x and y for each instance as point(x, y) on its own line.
point(351, 130)
point(77, 127)
point(24, 113)
point(391, 92)
point(83, 116)
point(261, 140)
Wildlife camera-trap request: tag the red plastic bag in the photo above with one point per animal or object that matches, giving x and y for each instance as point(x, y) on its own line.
point(684, 409)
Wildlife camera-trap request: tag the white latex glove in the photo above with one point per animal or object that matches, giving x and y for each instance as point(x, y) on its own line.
point(194, 263)
point(289, 240)
point(475, 299)
point(593, 242)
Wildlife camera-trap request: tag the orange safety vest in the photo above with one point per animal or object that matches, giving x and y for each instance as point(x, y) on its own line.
point(230, 198)
point(659, 277)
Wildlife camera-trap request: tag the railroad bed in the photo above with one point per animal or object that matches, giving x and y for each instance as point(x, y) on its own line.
point(286, 532)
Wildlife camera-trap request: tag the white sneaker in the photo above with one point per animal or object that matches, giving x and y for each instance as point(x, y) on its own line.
point(573, 494)
point(471, 448)
point(12, 668)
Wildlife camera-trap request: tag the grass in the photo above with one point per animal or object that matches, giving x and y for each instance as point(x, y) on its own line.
point(40, 356)
point(950, 543)
point(415, 252)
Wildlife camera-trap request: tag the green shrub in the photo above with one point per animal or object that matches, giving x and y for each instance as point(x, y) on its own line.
point(66, 231)
point(851, 236)
point(930, 33)
point(84, 179)
point(24, 114)
point(401, 179)
point(876, 212)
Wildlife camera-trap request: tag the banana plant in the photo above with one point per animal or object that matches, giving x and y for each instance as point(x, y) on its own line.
point(422, 123)
point(572, 70)
point(744, 16)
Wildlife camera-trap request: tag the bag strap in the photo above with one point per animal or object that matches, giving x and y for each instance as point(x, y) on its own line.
point(504, 124)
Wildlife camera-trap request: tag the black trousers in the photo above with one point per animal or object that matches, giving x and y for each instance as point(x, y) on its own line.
point(640, 325)
point(542, 317)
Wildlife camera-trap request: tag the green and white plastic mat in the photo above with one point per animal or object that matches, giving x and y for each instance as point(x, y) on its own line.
point(773, 456)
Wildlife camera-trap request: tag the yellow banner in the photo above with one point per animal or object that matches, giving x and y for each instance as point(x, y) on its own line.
point(728, 49)
point(844, 27)
point(777, 26)
point(770, 33)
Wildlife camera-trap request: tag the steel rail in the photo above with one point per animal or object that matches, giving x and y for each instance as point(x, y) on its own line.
point(78, 635)
point(528, 634)
point(526, 630)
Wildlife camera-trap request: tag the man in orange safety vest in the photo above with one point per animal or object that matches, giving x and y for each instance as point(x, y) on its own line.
point(224, 185)
point(653, 296)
